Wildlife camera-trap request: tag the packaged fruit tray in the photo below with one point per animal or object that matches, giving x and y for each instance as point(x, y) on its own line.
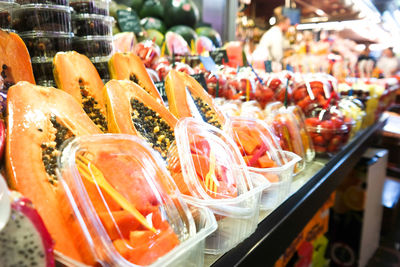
point(42, 17)
point(92, 24)
point(93, 46)
point(6, 14)
point(123, 207)
point(209, 170)
point(99, 7)
point(46, 44)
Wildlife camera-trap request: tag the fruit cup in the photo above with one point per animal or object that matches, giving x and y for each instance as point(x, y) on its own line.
point(263, 156)
point(329, 130)
point(123, 208)
point(210, 171)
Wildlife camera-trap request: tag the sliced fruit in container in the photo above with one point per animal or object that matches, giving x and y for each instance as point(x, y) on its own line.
point(187, 98)
point(40, 120)
point(131, 110)
point(25, 240)
point(144, 217)
point(128, 66)
point(75, 74)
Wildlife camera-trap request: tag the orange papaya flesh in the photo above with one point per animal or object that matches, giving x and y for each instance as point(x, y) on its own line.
point(273, 178)
point(265, 162)
point(128, 66)
point(76, 74)
point(15, 62)
point(131, 110)
point(176, 84)
point(39, 120)
point(119, 224)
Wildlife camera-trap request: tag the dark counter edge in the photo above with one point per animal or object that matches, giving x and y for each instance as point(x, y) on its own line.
point(277, 231)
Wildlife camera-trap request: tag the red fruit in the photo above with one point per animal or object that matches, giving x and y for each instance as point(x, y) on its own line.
point(337, 122)
point(299, 94)
point(336, 141)
point(327, 129)
point(320, 149)
point(313, 122)
point(319, 141)
point(332, 148)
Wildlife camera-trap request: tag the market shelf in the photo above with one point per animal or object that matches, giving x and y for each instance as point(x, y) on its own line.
point(278, 229)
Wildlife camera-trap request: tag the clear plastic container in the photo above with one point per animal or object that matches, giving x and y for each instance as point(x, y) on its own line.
point(328, 130)
point(48, 2)
point(131, 213)
point(353, 111)
point(257, 144)
point(42, 69)
point(46, 44)
point(100, 7)
point(211, 172)
point(6, 14)
point(280, 178)
point(101, 64)
point(93, 46)
point(42, 17)
point(92, 24)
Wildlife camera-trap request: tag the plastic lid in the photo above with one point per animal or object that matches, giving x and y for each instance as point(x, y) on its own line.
point(256, 142)
point(37, 60)
point(131, 207)
point(211, 162)
point(94, 38)
point(45, 34)
point(93, 16)
point(44, 6)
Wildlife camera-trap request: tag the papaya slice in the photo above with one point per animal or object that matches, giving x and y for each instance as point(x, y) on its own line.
point(119, 224)
point(128, 66)
point(75, 74)
point(131, 110)
point(39, 120)
point(179, 102)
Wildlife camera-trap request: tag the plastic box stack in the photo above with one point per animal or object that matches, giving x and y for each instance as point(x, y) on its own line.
point(45, 27)
point(92, 27)
point(6, 12)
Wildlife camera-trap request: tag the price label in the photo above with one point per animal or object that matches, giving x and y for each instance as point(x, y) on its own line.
point(219, 56)
point(161, 89)
point(129, 21)
point(208, 63)
point(201, 79)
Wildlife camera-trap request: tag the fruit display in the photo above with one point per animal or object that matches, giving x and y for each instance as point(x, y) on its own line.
point(46, 44)
point(93, 46)
point(203, 167)
point(186, 32)
point(100, 7)
point(25, 240)
point(75, 74)
point(92, 24)
point(123, 195)
point(329, 130)
point(350, 109)
point(40, 119)
point(187, 98)
point(148, 52)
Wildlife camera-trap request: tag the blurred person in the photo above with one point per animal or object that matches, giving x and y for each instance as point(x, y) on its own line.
point(388, 63)
point(365, 63)
point(271, 46)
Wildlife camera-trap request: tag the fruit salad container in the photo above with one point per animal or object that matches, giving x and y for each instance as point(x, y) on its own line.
point(6, 14)
point(46, 44)
point(264, 156)
point(92, 25)
point(209, 170)
point(351, 110)
point(93, 46)
point(47, 2)
point(123, 207)
point(329, 130)
point(285, 126)
point(42, 17)
point(100, 7)
point(279, 83)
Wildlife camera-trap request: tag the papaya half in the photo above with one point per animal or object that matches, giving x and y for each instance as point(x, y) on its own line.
point(131, 110)
point(39, 120)
point(75, 74)
point(128, 66)
point(180, 103)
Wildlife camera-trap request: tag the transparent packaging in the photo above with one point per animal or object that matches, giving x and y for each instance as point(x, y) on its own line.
point(280, 178)
point(6, 14)
point(48, 2)
point(42, 70)
point(93, 46)
point(211, 172)
point(100, 7)
point(92, 24)
point(101, 65)
point(123, 207)
point(286, 128)
point(351, 110)
point(42, 17)
point(329, 130)
point(46, 44)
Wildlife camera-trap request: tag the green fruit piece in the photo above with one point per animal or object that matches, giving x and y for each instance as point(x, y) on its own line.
point(114, 6)
point(186, 32)
point(152, 8)
point(136, 5)
point(153, 23)
point(180, 12)
point(212, 34)
point(155, 35)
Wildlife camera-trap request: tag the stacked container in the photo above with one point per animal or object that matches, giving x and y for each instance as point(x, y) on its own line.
point(45, 27)
point(92, 27)
point(6, 12)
